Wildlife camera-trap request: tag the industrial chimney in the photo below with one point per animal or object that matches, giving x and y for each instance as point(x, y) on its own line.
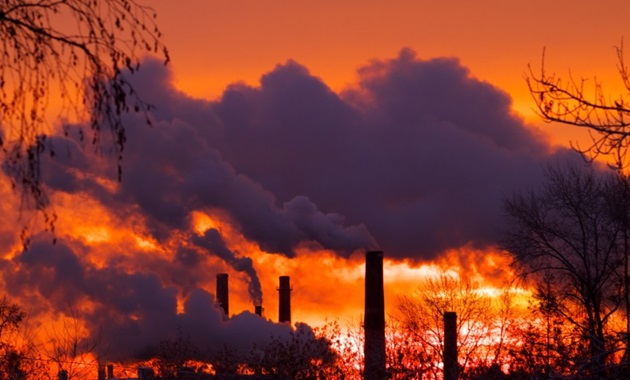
point(450, 345)
point(284, 305)
point(222, 293)
point(374, 319)
point(258, 309)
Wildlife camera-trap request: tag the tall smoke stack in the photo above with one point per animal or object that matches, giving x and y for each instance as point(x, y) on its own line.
point(374, 319)
point(450, 345)
point(284, 306)
point(222, 293)
point(258, 309)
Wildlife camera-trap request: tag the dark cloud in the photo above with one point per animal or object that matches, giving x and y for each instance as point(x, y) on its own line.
point(415, 158)
point(130, 312)
point(418, 153)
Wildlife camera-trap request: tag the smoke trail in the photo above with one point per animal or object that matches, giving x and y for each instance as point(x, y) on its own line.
point(329, 230)
point(213, 241)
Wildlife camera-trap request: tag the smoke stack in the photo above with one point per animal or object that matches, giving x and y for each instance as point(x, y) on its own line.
point(450, 345)
point(258, 310)
point(374, 322)
point(110, 371)
point(101, 372)
point(62, 375)
point(284, 306)
point(222, 293)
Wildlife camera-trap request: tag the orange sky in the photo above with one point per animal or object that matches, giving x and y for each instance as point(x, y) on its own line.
point(214, 43)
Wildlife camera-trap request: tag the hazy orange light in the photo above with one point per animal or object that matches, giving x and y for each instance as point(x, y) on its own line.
point(202, 222)
point(146, 244)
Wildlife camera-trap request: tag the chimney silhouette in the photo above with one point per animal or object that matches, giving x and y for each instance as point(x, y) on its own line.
point(374, 322)
point(101, 371)
point(450, 345)
point(222, 293)
point(284, 305)
point(258, 309)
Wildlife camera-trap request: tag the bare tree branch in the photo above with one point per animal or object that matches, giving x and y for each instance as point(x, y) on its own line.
point(566, 101)
point(79, 53)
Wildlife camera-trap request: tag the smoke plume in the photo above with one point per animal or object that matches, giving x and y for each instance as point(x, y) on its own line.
point(212, 241)
point(414, 158)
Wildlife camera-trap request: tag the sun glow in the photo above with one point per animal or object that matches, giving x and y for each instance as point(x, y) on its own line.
point(202, 222)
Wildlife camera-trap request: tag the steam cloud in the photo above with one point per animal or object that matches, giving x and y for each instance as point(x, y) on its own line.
point(416, 157)
point(213, 242)
point(59, 275)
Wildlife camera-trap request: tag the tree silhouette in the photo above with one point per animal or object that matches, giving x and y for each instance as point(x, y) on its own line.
point(76, 54)
point(69, 347)
point(11, 358)
point(568, 101)
point(482, 325)
point(569, 230)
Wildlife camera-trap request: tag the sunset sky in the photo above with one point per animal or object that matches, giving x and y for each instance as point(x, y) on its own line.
point(288, 138)
point(215, 43)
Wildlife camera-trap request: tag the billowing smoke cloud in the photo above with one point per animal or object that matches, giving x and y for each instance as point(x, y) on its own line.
point(418, 152)
point(417, 157)
point(212, 241)
point(171, 170)
point(131, 312)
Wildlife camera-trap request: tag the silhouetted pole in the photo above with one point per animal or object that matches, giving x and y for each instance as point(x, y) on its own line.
point(450, 345)
point(284, 306)
point(101, 371)
point(374, 323)
point(223, 293)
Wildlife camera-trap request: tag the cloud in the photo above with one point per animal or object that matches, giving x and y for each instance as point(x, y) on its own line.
point(214, 243)
point(414, 159)
point(418, 152)
point(129, 313)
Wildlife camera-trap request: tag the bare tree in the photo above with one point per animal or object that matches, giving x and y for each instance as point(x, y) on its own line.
point(568, 101)
point(568, 230)
point(421, 317)
point(12, 358)
point(548, 346)
point(19, 358)
point(71, 348)
point(77, 52)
